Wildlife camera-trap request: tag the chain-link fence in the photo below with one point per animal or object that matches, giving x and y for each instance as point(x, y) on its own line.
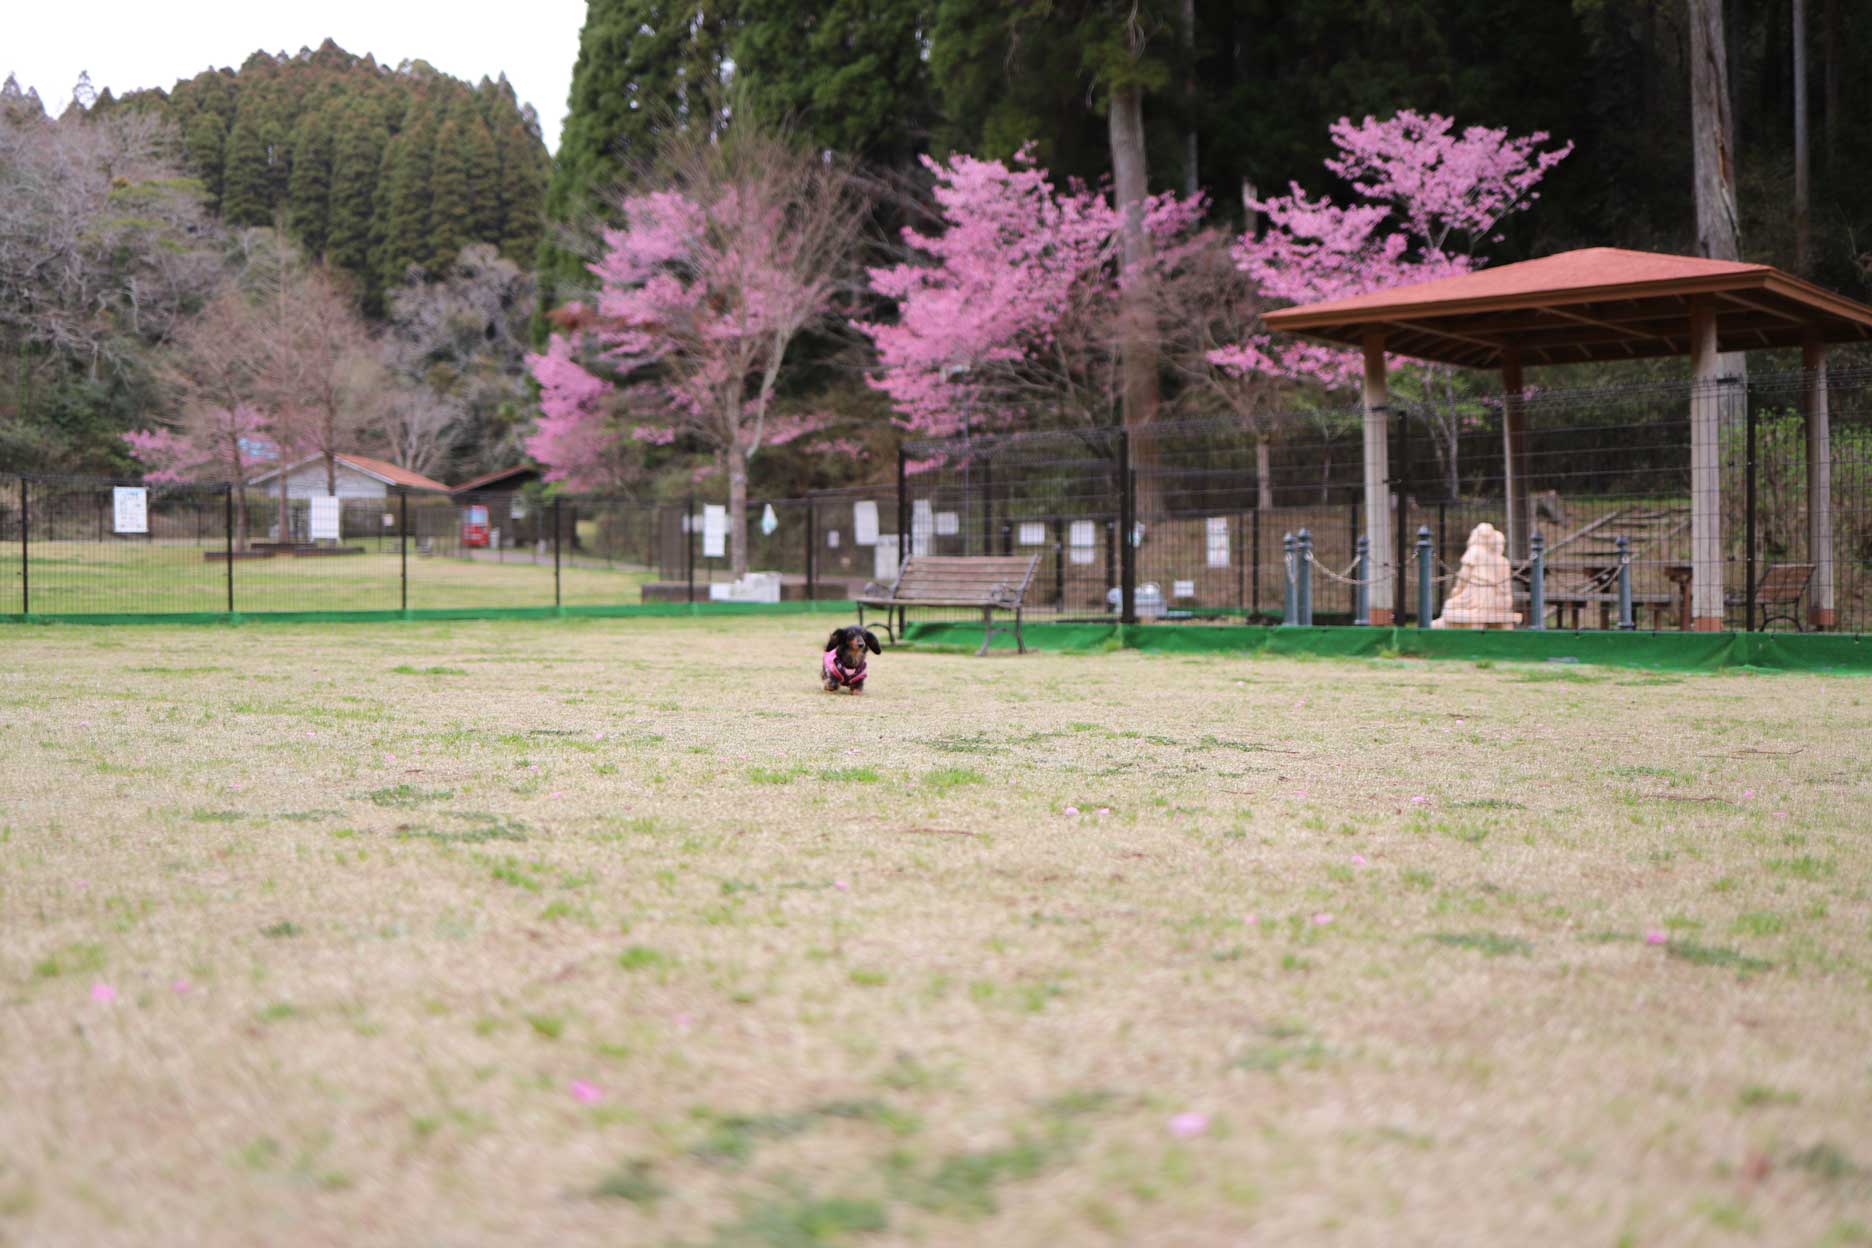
point(1173, 521)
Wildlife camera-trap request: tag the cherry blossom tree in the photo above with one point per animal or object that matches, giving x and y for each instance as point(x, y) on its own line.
point(1013, 310)
point(743, 246)
point(214, 445)
point(1429, 199)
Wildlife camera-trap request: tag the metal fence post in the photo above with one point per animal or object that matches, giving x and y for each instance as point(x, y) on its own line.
point(1303, 563)
point(558, 534)
point(1254, 554)
point(1426, 578)
point(987, 500)
point(1127, 532)
point(403, 543)
point(1401, 512)
point(227, 517)
point(1290, 596)
point(1749, 523)
point(1625, 621)
point(25, 550)
point(1361, 585)
point(1537, 581)
point(812, 553)
point(689, 536)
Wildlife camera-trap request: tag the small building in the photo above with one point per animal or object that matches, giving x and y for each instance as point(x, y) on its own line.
point(358, 476)
point(495, 503)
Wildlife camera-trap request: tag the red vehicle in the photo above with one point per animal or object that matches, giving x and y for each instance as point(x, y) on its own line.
point(475, 525)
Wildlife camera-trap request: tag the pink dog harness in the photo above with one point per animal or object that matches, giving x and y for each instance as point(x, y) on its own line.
point(851, 677)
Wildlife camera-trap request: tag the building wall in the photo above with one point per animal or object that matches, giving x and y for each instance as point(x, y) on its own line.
point(308, 481)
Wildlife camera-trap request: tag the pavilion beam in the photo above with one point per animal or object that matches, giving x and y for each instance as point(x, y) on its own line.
point(1516, 472)
point(1706, 554)
point(1378, 479)
point(1820, 607)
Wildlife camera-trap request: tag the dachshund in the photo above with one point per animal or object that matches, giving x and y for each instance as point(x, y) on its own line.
point(844, 664)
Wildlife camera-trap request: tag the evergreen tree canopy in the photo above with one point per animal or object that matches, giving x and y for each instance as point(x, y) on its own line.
point(369, 167)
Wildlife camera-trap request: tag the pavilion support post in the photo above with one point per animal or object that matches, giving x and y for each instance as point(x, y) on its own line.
point(1515, 464)
point(1706, 401)
point(1820, 609)
point(1378, 480)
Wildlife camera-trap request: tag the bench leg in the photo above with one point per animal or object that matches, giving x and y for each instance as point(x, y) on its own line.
point(1020, 646)
point(988, 631)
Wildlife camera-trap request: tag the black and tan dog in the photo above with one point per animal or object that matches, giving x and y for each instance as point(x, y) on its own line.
point(844, 665)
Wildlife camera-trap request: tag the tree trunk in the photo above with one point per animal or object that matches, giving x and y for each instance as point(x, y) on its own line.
point(1264, 475)
point(331, 471)
point(1186, 37)
point(1801, 188)
point(285, 511)
point(1139, 332)
point(737, 509)
point(1712, 147)
point(1831, 84)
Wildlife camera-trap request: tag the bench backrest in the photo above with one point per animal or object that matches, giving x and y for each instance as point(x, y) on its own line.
point(968, 578)
point(1785, 583)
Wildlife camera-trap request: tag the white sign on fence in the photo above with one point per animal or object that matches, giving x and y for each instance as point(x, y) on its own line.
point(325, 518)
point(714, 531)
point(832, 538)
point(884, 557)
point(1183, 589)
point(922, 526)
point(948, 524)
point(768, 523)
point(1218, 542)
point(1032, 533)
point(864, 524)
point(1079, 540)
point(389, 520)
point(131, 509)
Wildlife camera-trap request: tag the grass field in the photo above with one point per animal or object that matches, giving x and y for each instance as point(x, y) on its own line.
point(110, 578)
point(624, 933)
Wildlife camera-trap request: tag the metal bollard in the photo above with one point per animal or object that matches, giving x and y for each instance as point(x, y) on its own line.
point(1625, 620)
point(1426, 578)
point(1537, 581)
point(1361, 588)
point(1303, 561)
point(1290, 601)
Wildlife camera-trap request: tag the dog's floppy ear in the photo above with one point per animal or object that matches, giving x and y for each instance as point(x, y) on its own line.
point(832, 642)
point(871, 642)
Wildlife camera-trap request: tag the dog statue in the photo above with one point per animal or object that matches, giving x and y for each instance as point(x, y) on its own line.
point(844, 663)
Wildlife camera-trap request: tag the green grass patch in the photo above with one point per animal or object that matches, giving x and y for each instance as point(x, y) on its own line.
point(1488, 944)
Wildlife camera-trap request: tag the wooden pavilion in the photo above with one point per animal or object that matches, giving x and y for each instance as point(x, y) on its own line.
point(1601, 303)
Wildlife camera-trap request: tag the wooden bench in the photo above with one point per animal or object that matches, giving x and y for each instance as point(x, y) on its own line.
point(989, 583)
point(1779, 593)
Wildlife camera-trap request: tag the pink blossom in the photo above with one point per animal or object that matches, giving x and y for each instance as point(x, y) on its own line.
point(103, 993)
point(556, 793)
point(1655, 938)
point(1187, 1126)
point(1420, 800)
point(1358, 860)
point(1104, 810)
point(1070, 810)
point(587, 1093)
point(684, 1020)
point(1251, 920)
point(841, 885)
point(180, 987)
point(1748, 792)
point(1321, 920)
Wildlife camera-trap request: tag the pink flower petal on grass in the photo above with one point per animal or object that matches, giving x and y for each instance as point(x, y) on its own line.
point(841, 885)
point(103, 993)
point(310, 733)
point(1655, 938)
point(1070, 810)
point(1781, 814)
point(556, 793)
point(1748, 792)
point(1104, 810)
point(389, 758)
point(1322, 919)
point(1358, 860)
point(1251, 920)
point(181, 987)
point(1420, 800)
point(587, 1093)
point(1189, 1125)
point(684, 1020)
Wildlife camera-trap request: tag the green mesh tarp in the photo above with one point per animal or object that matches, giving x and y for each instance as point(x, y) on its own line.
point(1670, 651)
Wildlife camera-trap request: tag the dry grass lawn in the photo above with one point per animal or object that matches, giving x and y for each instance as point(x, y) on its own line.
point(621, 932)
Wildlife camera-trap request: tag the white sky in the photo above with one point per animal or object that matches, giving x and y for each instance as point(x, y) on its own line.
point(129, 44)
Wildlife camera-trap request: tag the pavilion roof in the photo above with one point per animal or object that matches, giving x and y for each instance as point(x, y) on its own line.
point(1600, 303)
